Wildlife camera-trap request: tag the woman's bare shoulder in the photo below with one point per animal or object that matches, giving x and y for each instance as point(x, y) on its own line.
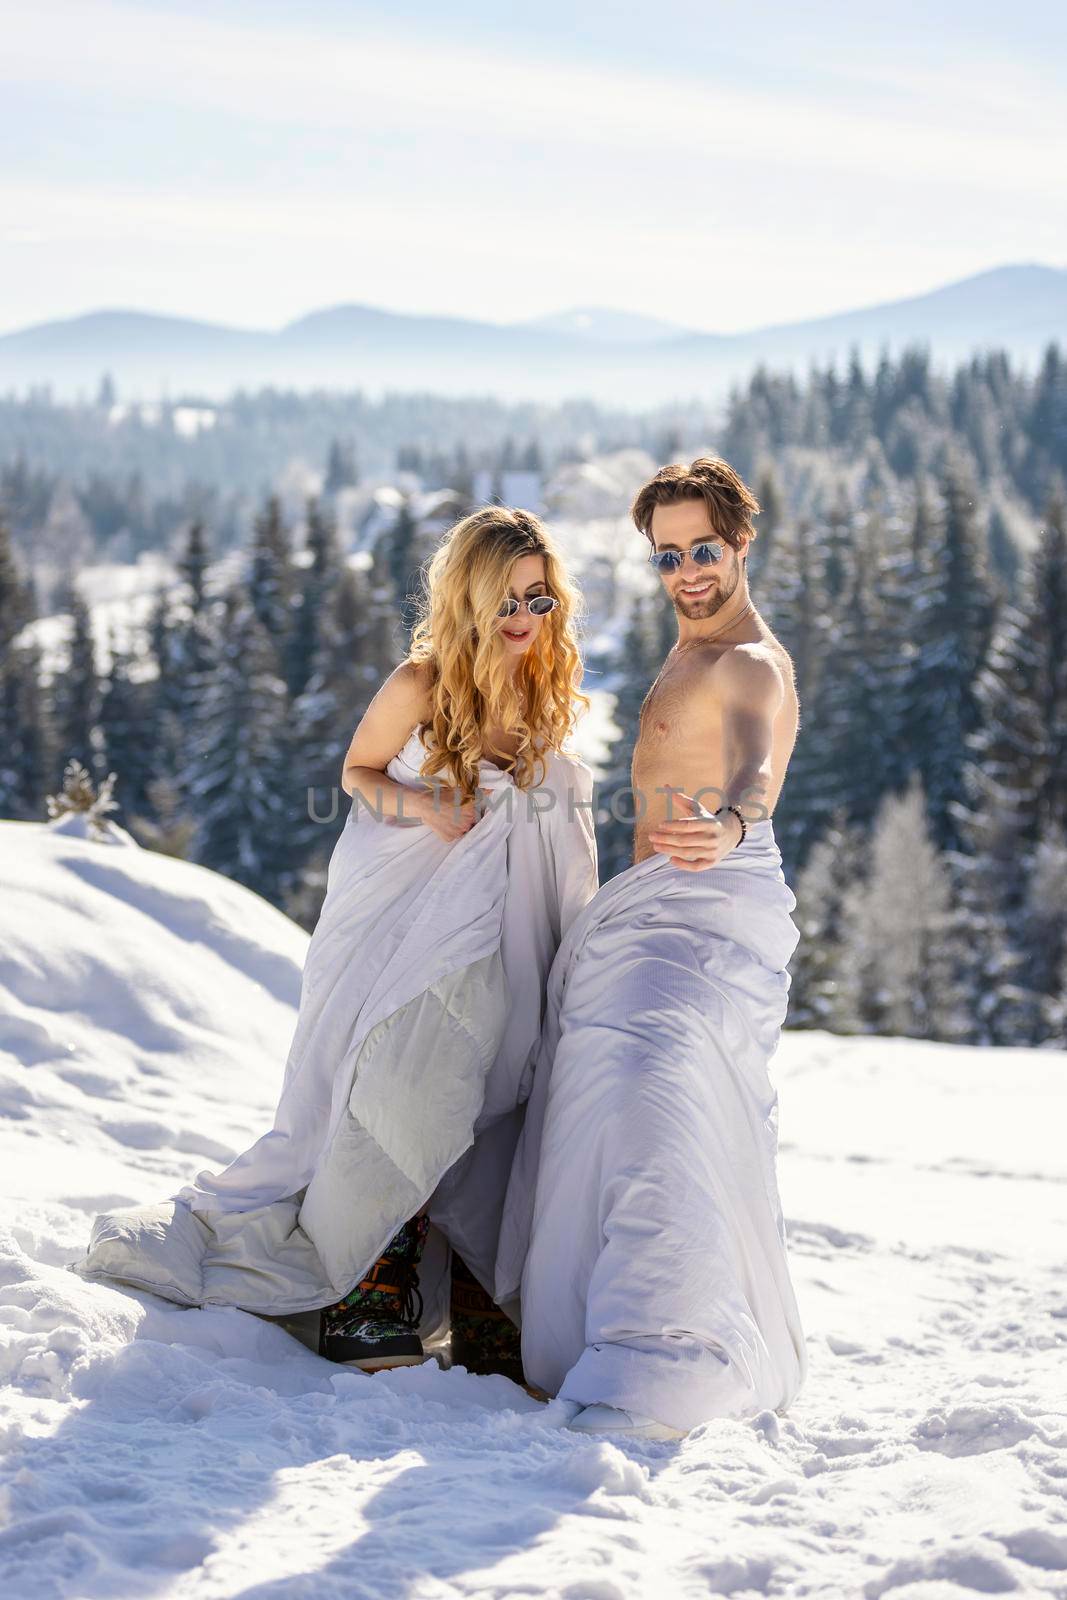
point(415, 680)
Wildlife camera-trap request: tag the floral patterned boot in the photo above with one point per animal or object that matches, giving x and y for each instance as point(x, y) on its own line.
point(376, 1325)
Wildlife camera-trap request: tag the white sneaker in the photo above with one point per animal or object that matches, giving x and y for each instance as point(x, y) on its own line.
point(569, 1408)
point(612, 1419)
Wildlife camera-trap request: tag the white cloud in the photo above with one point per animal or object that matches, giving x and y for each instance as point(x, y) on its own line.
point(975, 127)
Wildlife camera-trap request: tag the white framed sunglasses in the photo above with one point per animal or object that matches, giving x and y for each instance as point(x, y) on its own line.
point(706, 554)
point(539, 605)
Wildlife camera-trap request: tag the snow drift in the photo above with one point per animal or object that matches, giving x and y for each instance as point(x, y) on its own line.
point(145, 1007)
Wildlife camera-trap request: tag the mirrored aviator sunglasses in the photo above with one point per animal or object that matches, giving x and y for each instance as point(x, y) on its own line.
point(705, 554)
point(539, 605)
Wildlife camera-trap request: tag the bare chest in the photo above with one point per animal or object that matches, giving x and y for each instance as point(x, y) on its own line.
point(496, 743)
point(677, 707)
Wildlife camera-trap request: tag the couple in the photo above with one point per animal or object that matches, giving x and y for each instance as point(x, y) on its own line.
point(512, 1100)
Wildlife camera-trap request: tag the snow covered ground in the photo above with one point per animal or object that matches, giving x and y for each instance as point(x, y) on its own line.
point(146, 1008)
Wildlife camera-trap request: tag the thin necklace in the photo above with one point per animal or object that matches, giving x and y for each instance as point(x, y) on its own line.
point(705, 638)
point(678, 649)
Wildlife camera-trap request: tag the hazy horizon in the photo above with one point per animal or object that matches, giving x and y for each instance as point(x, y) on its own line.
point(560, 311)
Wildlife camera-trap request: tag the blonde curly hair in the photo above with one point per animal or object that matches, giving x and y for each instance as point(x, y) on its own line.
point(465, 584)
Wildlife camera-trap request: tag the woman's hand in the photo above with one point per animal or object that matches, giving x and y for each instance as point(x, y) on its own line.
point(444, 810)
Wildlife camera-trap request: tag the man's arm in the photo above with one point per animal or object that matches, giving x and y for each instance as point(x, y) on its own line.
point(751, 691)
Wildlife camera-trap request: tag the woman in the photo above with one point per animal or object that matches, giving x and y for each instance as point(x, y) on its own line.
point(468, 852)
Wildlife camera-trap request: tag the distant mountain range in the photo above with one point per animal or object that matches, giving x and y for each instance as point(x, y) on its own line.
point(612, 356)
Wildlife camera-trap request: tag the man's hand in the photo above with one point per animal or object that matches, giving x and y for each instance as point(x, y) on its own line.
point(697, 840)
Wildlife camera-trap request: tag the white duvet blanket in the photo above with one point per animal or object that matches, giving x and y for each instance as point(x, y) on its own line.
point(643, 1220)
point(419, 1018)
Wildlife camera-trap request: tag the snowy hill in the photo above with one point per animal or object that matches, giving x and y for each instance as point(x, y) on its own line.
point(146, 1008)
point(622, 359)
point(597, 323)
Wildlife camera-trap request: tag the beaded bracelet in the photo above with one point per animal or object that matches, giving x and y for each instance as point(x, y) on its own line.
point(741, 820)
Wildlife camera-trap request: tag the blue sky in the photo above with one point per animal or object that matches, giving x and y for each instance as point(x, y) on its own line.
point(719, 165)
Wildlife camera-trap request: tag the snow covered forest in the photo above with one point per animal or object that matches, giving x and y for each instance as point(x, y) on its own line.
point(202, 600)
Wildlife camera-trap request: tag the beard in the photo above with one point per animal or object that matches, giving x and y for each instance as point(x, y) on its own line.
point(700, 610)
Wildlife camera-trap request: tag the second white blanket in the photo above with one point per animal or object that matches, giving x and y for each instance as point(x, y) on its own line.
point(643, 1219)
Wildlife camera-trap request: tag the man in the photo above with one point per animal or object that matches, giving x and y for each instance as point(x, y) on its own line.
point(643, 1222)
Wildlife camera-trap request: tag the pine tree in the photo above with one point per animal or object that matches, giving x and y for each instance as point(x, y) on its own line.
point(1016, 775)
point(403, 565)
point(461, 476)
point(164, 701)
point(1004, 557)
point(901, 940)
point(1045, 933)
point(854, 764)
point(270, 575)
point(362, 643)
point(187, 646)
point(1046, 425)
point(834, 865)
point(792, 597)
point(840, 540)
point(316, 579)
point(27, 756)
point(857, 402)
point(23, 767)
point(342, 471)
point(123, 721)
point(194, 648)
point(898, 585)
point(1000, 1006)
point(193, 565)
point(883, 396)
point(771, 499)
point(356, 650)
point(1054, 1011)
point(341, 654)
point(238, 777)
point(16, 597)
point(170, 830)
point(1048, 593)
point(76, 690)
point(924, 528)
point(1014, 792)
point(650, 633)
point(952, 629)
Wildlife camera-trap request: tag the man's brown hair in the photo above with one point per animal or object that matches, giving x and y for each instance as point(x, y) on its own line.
point(730, 502)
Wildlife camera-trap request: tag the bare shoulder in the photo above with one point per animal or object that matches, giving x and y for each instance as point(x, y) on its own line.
point(423, 673)
point(411, 685)
point(757, 667)
point(402, 703)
